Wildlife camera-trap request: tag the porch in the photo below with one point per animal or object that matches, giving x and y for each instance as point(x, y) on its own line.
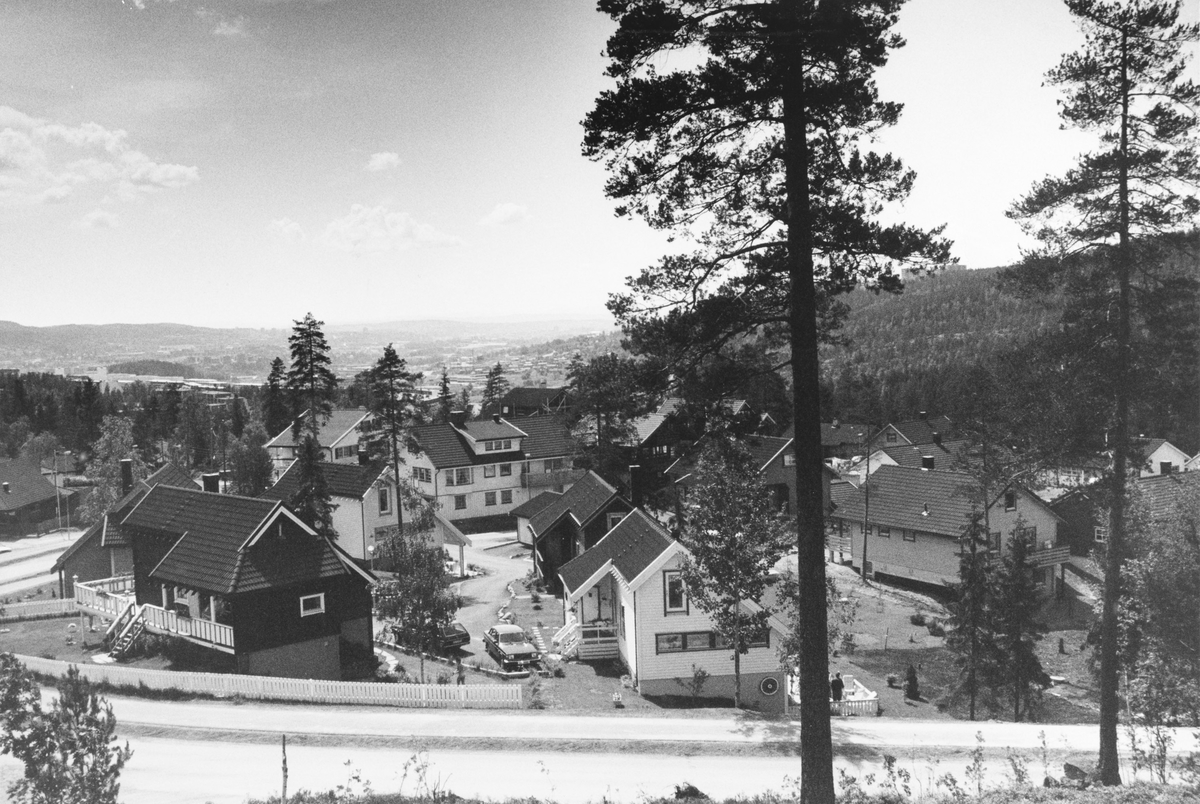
point(190, 615)
point(591, 630)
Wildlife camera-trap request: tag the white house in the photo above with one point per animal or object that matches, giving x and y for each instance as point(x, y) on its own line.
point(1159, 457)
point(625, 598)
point(490, 466)
point(338, 436)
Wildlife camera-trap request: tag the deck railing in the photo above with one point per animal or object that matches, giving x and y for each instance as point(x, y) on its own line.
point(1049, 556)
point(597, 642)
point(161, 621)
point(106, 596)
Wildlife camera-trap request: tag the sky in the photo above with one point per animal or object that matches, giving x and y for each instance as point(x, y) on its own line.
point(243, 162)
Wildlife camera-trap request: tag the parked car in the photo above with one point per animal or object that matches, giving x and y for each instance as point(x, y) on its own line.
point(509, 646)
point(453, 635)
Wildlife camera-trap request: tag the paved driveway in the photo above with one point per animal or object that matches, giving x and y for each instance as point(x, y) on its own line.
point(505, 562)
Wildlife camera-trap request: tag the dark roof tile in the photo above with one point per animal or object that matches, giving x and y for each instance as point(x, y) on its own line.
point(344, 479)
point(586, 498)
point(632, 546)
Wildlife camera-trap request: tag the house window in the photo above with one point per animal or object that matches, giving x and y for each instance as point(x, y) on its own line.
point(505, 470)
point(885, 533)
point(508, 443)
point(422, 474)
point(674, 595)
point(703, 640)
point(1010, 501)
point(450, 477)
point(506, 497)
point(489, 498)
point(908, 535)
point(1165, 467)
point(1027, 535)
point(489, 470)
point(460, 502)
point(1100, 533)
point(554, 465)
point(385, 500)
point(994, 541)
point(891, 438)
point(789, 459)
point(462, 477)
point(614, 520)
point(345, 452)
point(489, 446)
point(312, 604)
point(668, 643)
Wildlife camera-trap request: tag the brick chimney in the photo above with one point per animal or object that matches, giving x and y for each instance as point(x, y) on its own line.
point(126, 475)
point(458, 418)
point(926, 462)
point(937, 438)
point(211, 481)
point(496, 418)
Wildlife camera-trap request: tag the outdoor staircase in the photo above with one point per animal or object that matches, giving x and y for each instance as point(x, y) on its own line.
point(566, 639)
point(128, 627)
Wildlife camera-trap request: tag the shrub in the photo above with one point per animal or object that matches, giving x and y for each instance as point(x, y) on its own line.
point(917, 618)
point(936, 628)
point(912, 690)
point(893, 680)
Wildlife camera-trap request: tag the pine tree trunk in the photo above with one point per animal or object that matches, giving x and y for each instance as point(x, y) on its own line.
point(737, 677)
point(1109, 768)
point(816, 743)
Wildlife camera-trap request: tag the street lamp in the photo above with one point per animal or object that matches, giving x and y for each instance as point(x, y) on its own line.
point(371, 553)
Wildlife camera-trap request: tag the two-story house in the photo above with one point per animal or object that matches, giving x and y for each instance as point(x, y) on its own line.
point(915, 520)
point(240, 576)
point(488, 467)
point(921, 430)
point(520, 402)
point(625, 597)
point(339, 438)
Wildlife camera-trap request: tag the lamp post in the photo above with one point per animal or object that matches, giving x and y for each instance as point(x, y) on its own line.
point(371, 553)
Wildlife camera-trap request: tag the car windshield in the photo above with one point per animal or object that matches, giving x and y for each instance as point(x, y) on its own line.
point(513, 638)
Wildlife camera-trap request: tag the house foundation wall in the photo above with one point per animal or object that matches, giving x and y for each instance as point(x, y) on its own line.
point(722, 687)
point(313, 658)
point(359, 632)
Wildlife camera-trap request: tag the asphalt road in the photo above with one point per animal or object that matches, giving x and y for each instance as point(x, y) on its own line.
point(28, 561)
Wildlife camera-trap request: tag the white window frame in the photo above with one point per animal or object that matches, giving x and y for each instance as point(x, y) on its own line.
point(506, 497)
point(1100, 534)
point(319, 597)
point(489, 470)
point(385, 500)
point(460, 498)
point(489, 498)
point(668, 577)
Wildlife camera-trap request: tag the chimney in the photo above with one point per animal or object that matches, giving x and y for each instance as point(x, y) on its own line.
point(937, 438)
point(496, 418)
point(924, 415)
point(835, 424)
point(7, 490)
point(458, 418)
point(926, 462)
point(211, 481)
point(126, 475)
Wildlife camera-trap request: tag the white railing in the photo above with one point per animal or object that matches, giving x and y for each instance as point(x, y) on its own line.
point(1052, 555)
point(597, 642)
point(107, 596)
point(161, 621)
point(862, 706)
point(433, 696)
point(37, 609)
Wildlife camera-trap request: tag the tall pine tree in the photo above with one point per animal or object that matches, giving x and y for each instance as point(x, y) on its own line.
point(313, 387)
point(1017, 599)
point(277, 411)
point(393, 403)
point(755, 155)
point(973, 637)
point(1101, 228)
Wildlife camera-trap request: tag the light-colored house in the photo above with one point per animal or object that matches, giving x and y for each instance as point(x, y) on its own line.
point(940, 455)
point(924, 430)
point(338, 436)
point(490, 466)
point(1159, 456)
point(625, 598)
point(917, 518)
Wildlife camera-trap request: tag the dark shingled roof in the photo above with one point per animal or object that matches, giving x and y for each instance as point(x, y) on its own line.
point(26, 485)
point(900, 497)
point(843, 433)
point(210, 530)
point(1162, 494)
point(531, 506)
point(762, 448)
point(490, 429)
point(949, 455)
point(170, 475)
point(631, 546)
point(920, 431)
point(522, 397)
point(586, 498)
point(545, 437)
point(345, 480)
point(340, 422)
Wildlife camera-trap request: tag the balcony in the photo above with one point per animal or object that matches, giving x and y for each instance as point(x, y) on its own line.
point(1050, 556)
point(111, 598)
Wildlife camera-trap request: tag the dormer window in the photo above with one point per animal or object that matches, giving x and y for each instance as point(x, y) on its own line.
point(499, 445)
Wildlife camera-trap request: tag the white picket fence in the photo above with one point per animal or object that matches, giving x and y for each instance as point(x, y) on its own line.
point(37, 610)
point(269, 688)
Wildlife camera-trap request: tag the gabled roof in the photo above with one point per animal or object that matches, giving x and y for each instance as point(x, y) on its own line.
point(763, 449)
point(491, 429)
point(220, 545)
point(920, 431)
point(26, 485)
point(169, 475)
point(348, 480)
point(585, 499)
point(341, 422)
point(543, 437)
point(913, 499)
point(534, 504)
point(630, 548)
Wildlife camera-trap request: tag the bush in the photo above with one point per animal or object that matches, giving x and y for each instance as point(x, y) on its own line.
point(936, 628)
point(893, 680)
point(912, 690)
point(917, 618)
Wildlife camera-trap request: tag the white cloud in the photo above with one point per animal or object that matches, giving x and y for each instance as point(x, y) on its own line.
point(505, 215)
point(288, 229)
point(385, 160)
point(98, 219)
point(231, 27)
point(376, 229)
point(42, 160)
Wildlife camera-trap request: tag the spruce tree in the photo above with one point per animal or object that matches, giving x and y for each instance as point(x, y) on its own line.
point(445, 397)
point(1104, 231)
point(755, 155)
point(393, 403)
point(277, 411)
point(972, 638)
point(311, 384)
point(1017, 598)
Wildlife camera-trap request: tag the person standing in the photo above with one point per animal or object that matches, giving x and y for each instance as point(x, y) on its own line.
point(836, 686)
